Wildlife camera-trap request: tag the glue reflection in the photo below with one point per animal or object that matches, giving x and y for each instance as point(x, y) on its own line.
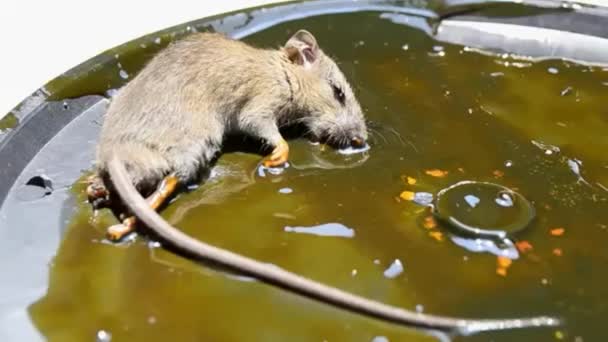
point(328, 229)
point(505, 248)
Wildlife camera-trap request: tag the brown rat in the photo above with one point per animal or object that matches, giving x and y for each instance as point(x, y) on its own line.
point(169, 122)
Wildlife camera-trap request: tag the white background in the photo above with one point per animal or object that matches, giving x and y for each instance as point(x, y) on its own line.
point(40, 39)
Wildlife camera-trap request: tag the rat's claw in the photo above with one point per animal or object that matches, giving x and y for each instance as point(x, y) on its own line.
point(279, 155)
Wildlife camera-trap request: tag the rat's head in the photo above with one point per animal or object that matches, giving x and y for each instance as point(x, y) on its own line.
point(333, 114)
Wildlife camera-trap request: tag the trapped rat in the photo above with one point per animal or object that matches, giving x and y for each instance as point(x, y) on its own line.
point(169, 122)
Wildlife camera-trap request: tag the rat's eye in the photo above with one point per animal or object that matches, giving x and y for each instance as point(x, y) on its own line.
point(338, 94)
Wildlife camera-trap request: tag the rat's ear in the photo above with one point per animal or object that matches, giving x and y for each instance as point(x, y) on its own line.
point(302, 48)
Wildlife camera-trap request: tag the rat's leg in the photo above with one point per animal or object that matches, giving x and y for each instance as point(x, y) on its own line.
point(265, 127)
point(165, 189)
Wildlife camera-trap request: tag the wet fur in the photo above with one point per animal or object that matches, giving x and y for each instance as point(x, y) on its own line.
point(173, 116)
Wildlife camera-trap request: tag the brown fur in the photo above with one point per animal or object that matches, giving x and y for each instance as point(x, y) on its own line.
point(173, 116)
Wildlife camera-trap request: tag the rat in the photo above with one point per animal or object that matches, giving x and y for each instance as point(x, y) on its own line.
point(163, 129)
point(169, 122)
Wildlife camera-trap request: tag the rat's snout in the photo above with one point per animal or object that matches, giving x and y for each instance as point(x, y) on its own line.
point(341, 130)
point(344, 139)
point(357, 142)
point(353, 130)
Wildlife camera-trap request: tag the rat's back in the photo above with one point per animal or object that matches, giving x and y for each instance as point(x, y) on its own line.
point(176, 110)
point(195, 74)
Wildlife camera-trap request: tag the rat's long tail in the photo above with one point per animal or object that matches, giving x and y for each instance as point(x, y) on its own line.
point(297, 284)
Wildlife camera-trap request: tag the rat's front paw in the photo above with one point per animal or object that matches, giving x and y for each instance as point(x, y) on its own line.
point(279, 156)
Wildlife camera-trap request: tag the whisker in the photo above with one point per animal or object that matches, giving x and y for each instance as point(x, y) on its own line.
point(412, 145)
point(372, 124)
point(403, 141)
point(372, 136)
point(392, 130)
point(382, 136)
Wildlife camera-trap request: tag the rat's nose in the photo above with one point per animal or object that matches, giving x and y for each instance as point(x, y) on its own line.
point(357, 142)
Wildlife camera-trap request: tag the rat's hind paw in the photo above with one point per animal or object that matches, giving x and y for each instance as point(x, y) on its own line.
point(118, 232)
point(97, 193)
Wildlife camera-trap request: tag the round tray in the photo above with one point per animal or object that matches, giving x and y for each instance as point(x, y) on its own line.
point(48, 139)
